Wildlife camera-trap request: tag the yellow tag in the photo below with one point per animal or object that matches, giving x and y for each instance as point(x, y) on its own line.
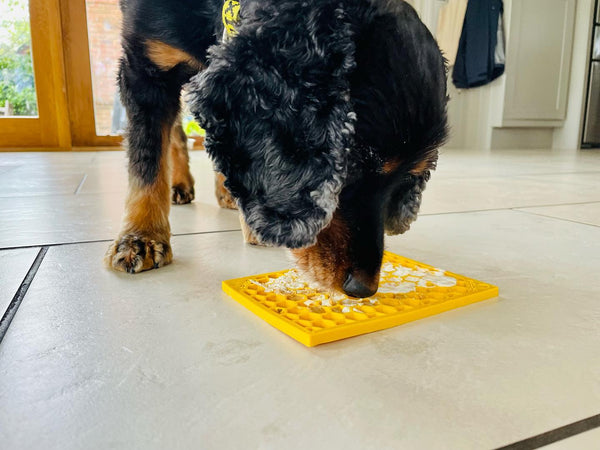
point(231, 16)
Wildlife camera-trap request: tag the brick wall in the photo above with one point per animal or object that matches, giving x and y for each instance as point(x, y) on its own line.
point(104, 25)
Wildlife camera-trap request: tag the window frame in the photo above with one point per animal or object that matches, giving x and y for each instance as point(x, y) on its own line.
point(50, 129)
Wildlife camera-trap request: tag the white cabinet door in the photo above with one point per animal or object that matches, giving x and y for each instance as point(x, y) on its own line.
point(538, 61)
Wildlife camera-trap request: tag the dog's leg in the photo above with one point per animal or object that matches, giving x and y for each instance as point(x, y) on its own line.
point(223, 195)
point(151, 76)
point(182, 182)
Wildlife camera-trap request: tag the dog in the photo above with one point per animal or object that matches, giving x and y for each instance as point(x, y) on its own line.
point(323, 116)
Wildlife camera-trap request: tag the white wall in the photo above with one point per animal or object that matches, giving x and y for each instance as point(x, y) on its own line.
point(473, 112)
point(428, 11)
point(469, 109)
point(569, 136)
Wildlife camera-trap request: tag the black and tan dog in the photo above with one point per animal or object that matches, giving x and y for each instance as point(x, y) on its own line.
point(325, 117)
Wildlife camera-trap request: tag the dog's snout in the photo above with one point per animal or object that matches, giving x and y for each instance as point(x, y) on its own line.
point(356, 288)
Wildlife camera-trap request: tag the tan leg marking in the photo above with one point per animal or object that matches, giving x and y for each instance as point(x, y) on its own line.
point(182, 181)
point(144, 240)
point(166, 57)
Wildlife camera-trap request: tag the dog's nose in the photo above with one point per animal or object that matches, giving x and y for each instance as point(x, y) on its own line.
point(356, 288)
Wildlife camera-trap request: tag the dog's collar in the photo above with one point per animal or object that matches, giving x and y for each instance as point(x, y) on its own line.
point(231, 18)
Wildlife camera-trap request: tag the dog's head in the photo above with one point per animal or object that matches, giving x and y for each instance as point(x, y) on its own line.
point(325, 117)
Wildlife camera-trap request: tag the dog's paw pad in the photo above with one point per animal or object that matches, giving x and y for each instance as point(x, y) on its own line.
point(134, 253)
point(181, 195)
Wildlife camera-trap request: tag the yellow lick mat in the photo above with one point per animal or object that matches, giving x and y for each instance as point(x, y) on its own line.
point(408, 291)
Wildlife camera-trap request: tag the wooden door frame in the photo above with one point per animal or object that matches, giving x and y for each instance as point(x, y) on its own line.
point(63, 81)
point(50, 130)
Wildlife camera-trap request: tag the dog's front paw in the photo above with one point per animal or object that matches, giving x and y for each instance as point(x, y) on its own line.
point(133, 253)
point(181, 194)
point(224, 197)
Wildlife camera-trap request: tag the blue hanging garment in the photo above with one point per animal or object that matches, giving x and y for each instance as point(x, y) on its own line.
point(480, 57)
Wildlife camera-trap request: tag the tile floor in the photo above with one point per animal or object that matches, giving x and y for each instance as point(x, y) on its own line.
point(163, 359)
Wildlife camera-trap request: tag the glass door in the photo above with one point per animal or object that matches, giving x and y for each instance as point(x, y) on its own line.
point(92, 30)
point(33, 103)
point(58, 64)
point(92, 50)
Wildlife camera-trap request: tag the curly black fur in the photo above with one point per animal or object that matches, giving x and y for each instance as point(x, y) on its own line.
point(403, 206)
point(319, 112)
point(312, 97)
point(275, 102)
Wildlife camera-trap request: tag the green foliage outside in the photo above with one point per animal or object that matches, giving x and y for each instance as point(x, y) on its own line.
point(16, 68)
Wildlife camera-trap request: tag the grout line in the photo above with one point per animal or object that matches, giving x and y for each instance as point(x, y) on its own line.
point(57, 244)
point(81, 184)
point(515, 208)
point(557, 218)
point(558, 434)
point(557, 204)
point(61, 244)
point(512, 208)
point(442, 176)
point(62, 194)
point(582, 172)
point(20, 294)
point(208, 232)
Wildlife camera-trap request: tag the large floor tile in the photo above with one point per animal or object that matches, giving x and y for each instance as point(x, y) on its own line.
point(466, 164)
point(446, 195)
point(26, 174)
point(107, 177)
point(39, 217)
point(166, 359)
point(50, 159)
point(75, 218)
point(110, 177)
point(469, 181)
point(585, 213)
point(25, 182)
point(464, 181)
point(50, 173)
point(580, 180)
point(496, 184)
point(14, 265)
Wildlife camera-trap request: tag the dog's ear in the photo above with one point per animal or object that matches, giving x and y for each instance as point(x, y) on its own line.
point(404, 203)
point(275, 104)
